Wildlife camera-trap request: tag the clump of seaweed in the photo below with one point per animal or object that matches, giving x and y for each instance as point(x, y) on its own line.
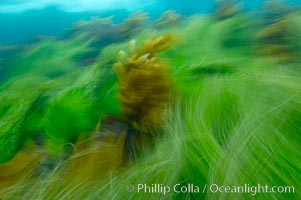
point(97, 22)
point(226, 9)
point(22, 164)
point(131, 26)
point(168, 19)
point(94, 25)
point(275, 34)
point(98, 153)
point(104, 31)
point(101, 32)
point(143, 81)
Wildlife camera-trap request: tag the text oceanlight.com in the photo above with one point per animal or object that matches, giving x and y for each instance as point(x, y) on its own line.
point(209, 188)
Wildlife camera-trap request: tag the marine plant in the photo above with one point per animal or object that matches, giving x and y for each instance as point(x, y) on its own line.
point(226, 9)
point(275, 34)
point(101, 32)
point(168, 19)
point(233, 119)
point(143, 81)
point(132, 25)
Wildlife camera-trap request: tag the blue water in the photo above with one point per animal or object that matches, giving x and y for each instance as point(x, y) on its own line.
point(22, 20)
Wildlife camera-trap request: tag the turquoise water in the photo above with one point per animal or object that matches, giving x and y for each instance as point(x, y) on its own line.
point(21, 21)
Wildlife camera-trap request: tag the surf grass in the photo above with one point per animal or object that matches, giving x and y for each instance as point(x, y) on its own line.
point(232, 120)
